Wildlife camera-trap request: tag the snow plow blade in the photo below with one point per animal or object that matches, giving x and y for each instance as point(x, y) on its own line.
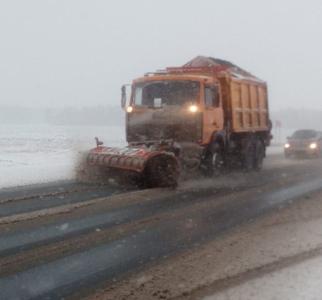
point(153, 168)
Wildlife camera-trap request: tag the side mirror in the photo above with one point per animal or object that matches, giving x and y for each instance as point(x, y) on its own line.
point(124, 95)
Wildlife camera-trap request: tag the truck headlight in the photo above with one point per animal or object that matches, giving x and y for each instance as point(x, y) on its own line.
point(193, 108)
point(313, 146)
point(129, 109)
point(287, 145)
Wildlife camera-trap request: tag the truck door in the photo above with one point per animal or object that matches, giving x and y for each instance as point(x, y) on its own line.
point(213, 112)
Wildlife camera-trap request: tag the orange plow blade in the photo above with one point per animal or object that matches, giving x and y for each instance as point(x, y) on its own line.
point(156, 168)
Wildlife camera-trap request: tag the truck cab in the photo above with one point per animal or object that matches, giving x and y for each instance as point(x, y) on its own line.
point(186, 108)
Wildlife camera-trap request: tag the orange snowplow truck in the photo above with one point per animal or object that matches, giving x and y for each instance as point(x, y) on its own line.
point(204, 116)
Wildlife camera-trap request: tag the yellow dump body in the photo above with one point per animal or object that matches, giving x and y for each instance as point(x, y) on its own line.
point(246, 104)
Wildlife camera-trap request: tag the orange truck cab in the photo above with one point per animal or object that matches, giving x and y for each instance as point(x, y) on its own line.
point(186, 108)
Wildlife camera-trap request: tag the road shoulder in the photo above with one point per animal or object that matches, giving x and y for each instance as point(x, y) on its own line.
point(280, 239)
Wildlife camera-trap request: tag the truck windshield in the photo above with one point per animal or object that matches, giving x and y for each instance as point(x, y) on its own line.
point(160, 93)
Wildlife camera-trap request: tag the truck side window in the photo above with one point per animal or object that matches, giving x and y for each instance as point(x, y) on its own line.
point(211, 97)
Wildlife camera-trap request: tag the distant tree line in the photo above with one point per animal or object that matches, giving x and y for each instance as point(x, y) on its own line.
point(113, 115)
point(91, 115)
point(298, 118)
point(95, 115)
point(21, 115)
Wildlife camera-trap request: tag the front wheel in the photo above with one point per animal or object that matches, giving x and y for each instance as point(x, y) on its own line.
point(214, 163)
point(161, 171)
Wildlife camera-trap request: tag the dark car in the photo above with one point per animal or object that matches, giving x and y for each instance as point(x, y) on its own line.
point(304, 142)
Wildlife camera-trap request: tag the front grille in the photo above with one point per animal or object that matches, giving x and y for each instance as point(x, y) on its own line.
point(179, 128)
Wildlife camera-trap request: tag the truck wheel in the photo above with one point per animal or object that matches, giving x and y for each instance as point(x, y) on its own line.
point(259, 155)
point(161, 171)
point(249, 156)
point(214, 163)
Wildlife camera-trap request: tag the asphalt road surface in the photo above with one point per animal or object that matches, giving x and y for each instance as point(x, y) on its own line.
point(67, 240)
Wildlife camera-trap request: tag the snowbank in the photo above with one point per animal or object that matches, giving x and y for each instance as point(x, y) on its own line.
point(42, 153)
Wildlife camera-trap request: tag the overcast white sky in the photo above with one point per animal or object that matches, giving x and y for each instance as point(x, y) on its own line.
point(79, 52)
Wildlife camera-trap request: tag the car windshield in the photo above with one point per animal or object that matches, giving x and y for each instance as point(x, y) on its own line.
point(304, 134)
point(158, 94)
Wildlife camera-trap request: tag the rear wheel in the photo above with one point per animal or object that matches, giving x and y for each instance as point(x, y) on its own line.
point(259, 155)
point(249, 155)
point(253, 154)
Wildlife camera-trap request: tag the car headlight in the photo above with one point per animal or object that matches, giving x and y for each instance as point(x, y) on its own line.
point(287, 145)
point(313, 146)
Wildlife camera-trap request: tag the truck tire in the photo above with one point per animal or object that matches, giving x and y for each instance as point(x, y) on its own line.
point(161, 171)
point(249, 155)
point(259, 155)
point(214, 162)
